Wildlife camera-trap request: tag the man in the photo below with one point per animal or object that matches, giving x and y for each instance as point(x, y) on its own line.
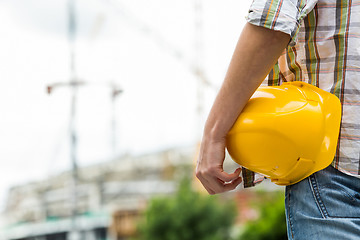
point(316, 41)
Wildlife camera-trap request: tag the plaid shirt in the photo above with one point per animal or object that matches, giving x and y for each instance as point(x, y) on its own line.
point(324, 51)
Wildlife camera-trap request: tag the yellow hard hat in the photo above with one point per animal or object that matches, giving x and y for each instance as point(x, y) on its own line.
point(286, 132)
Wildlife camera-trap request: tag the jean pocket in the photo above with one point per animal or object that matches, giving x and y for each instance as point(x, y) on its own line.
point(337, 194)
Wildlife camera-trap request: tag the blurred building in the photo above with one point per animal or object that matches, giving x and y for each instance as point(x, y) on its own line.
point(110, 197)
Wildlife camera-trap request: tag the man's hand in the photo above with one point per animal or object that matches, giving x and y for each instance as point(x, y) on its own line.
point(210, 168)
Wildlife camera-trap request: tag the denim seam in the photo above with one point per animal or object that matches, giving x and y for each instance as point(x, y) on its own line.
point(316, 194)
point(289, 213)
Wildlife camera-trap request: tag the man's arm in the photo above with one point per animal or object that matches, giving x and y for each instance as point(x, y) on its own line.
point(255, 54)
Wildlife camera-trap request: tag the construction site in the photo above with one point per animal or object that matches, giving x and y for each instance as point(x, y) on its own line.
point(108, 111)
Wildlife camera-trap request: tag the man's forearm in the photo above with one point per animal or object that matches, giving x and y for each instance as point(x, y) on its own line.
point(255, 54)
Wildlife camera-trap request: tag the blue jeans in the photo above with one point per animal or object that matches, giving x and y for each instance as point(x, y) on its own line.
point(325, 205)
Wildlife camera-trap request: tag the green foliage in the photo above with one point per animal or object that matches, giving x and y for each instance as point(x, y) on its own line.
point(271, 224)
point(187, 215)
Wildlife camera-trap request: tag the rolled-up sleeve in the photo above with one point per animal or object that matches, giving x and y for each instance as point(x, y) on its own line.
point(280, 15)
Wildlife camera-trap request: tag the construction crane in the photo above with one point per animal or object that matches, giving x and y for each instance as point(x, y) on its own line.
point(74, 83)
point(195, 66)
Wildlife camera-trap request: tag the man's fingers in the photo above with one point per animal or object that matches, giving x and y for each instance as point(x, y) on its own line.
point(232, 185)
point(218, 186)
point(215, 185)
point(226, 177)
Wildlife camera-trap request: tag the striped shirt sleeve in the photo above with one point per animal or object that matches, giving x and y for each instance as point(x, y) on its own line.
point(280, 15)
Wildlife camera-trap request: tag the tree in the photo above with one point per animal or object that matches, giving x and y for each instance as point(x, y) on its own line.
point(271, 224)
point(188, 215)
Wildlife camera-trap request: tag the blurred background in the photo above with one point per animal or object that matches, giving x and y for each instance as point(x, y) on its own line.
point(102, 107)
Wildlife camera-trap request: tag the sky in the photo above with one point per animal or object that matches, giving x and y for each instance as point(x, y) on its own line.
point(147, 48)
